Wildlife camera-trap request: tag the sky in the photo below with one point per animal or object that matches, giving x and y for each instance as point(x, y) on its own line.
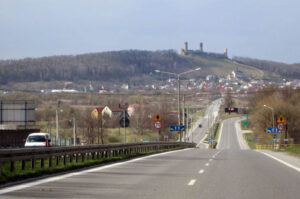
point(262, 29)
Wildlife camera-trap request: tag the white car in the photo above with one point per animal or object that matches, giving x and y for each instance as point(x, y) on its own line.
point(38, 140)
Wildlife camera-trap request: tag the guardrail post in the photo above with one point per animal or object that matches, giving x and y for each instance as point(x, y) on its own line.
point(65, 160)
point(82, 157)
point(23, 165)
point(93, 155)
point(32, 163)
point(0, 167)
point(76, 157)
point(42, 162)
point(12, 166)
point(71, 158)
point(98, 155)
point(50, 161)
point(57, 160)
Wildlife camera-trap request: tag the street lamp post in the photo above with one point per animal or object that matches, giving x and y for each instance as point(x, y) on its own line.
point(178, 84)
point(272, 109)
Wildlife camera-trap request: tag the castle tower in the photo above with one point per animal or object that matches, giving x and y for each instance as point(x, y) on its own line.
point(186, 46)
point(225, 52)
point(201, 47)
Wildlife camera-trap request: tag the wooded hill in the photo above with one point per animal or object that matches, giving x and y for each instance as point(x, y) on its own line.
point(132, 66)
point(282, 69)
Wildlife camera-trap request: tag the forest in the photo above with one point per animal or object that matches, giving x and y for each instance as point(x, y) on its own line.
point(123, 66)
point(95, 66)
point(285, 70)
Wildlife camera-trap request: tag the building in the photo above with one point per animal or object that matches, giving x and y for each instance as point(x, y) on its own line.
point(185, 51)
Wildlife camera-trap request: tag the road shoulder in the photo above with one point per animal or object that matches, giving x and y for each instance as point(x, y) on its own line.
point(284, 158)
point(239, 132)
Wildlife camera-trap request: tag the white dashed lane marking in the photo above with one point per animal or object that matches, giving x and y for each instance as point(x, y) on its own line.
point(192, 182)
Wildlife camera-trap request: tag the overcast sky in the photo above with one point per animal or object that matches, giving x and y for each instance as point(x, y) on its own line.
point(264, 29)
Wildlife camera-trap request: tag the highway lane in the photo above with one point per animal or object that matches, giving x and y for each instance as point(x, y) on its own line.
point(228, 172)
point(196, 134)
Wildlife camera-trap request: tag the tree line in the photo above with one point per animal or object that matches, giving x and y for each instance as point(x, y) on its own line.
point(121, 65)
point(284, 70)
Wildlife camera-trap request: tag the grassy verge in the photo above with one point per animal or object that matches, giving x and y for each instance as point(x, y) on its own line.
point(19, 174)
point(249, 137)
point(215, 130)
point(292, 150)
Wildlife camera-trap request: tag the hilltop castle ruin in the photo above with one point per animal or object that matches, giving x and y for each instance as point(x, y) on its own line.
point(186, 51)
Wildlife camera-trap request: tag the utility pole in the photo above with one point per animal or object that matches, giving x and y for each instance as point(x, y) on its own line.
point(56, 119)
point(124, 118)
point(74, 130)
point(183, 119)
point(178, 101)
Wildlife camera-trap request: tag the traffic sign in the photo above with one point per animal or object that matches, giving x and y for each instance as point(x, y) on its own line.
point(281, 119)
point(274, 136)
point(273, 130)
point(177, 128)
point(157, 125)
point(280, 126)
point(157, 117)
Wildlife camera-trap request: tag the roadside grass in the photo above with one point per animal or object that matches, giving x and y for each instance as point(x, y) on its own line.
point(7, 176)
point(292, 150)
point(225, 116)
point(215, 130)
point(249, 137)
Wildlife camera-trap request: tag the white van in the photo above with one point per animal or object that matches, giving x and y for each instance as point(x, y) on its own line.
point(38, 140)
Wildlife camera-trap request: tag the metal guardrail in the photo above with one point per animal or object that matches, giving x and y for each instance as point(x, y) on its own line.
point(76, 152)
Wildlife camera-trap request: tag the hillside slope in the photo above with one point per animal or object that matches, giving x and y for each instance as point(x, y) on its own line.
point(130, 66)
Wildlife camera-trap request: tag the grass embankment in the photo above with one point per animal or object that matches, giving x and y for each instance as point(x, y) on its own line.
point(249, 137)
point(215, 131)
point(6, 176)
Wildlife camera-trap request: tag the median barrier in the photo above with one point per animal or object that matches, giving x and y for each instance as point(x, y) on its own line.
point(71, 153)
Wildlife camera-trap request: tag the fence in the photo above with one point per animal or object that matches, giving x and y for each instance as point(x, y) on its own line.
point(76, 152)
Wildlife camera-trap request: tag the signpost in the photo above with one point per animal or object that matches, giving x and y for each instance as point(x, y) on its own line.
point(157, 123)
point(281, 125)
point(177, 128)
point(273, 131)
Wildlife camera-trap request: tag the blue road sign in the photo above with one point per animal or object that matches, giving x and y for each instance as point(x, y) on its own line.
point(177, 128)
point(273, 130)
point(274, 136)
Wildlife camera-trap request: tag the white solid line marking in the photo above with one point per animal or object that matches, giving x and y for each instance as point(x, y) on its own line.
point(192, 182)
point(201, 171)
point(281, 161)
point(207, 164)
point(51, 179)
point(210, 160)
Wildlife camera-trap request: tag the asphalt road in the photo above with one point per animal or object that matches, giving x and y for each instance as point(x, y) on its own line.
point(227, 172)
point(196, 134)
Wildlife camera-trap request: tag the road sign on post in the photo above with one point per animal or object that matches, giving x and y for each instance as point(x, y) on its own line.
point(273, 130)
point(177, 128)
point(281, 119)
point(157, 124)
point(157, 117)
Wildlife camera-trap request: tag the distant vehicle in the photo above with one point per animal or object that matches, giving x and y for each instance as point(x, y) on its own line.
point(200, 125)
point(38, 140)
